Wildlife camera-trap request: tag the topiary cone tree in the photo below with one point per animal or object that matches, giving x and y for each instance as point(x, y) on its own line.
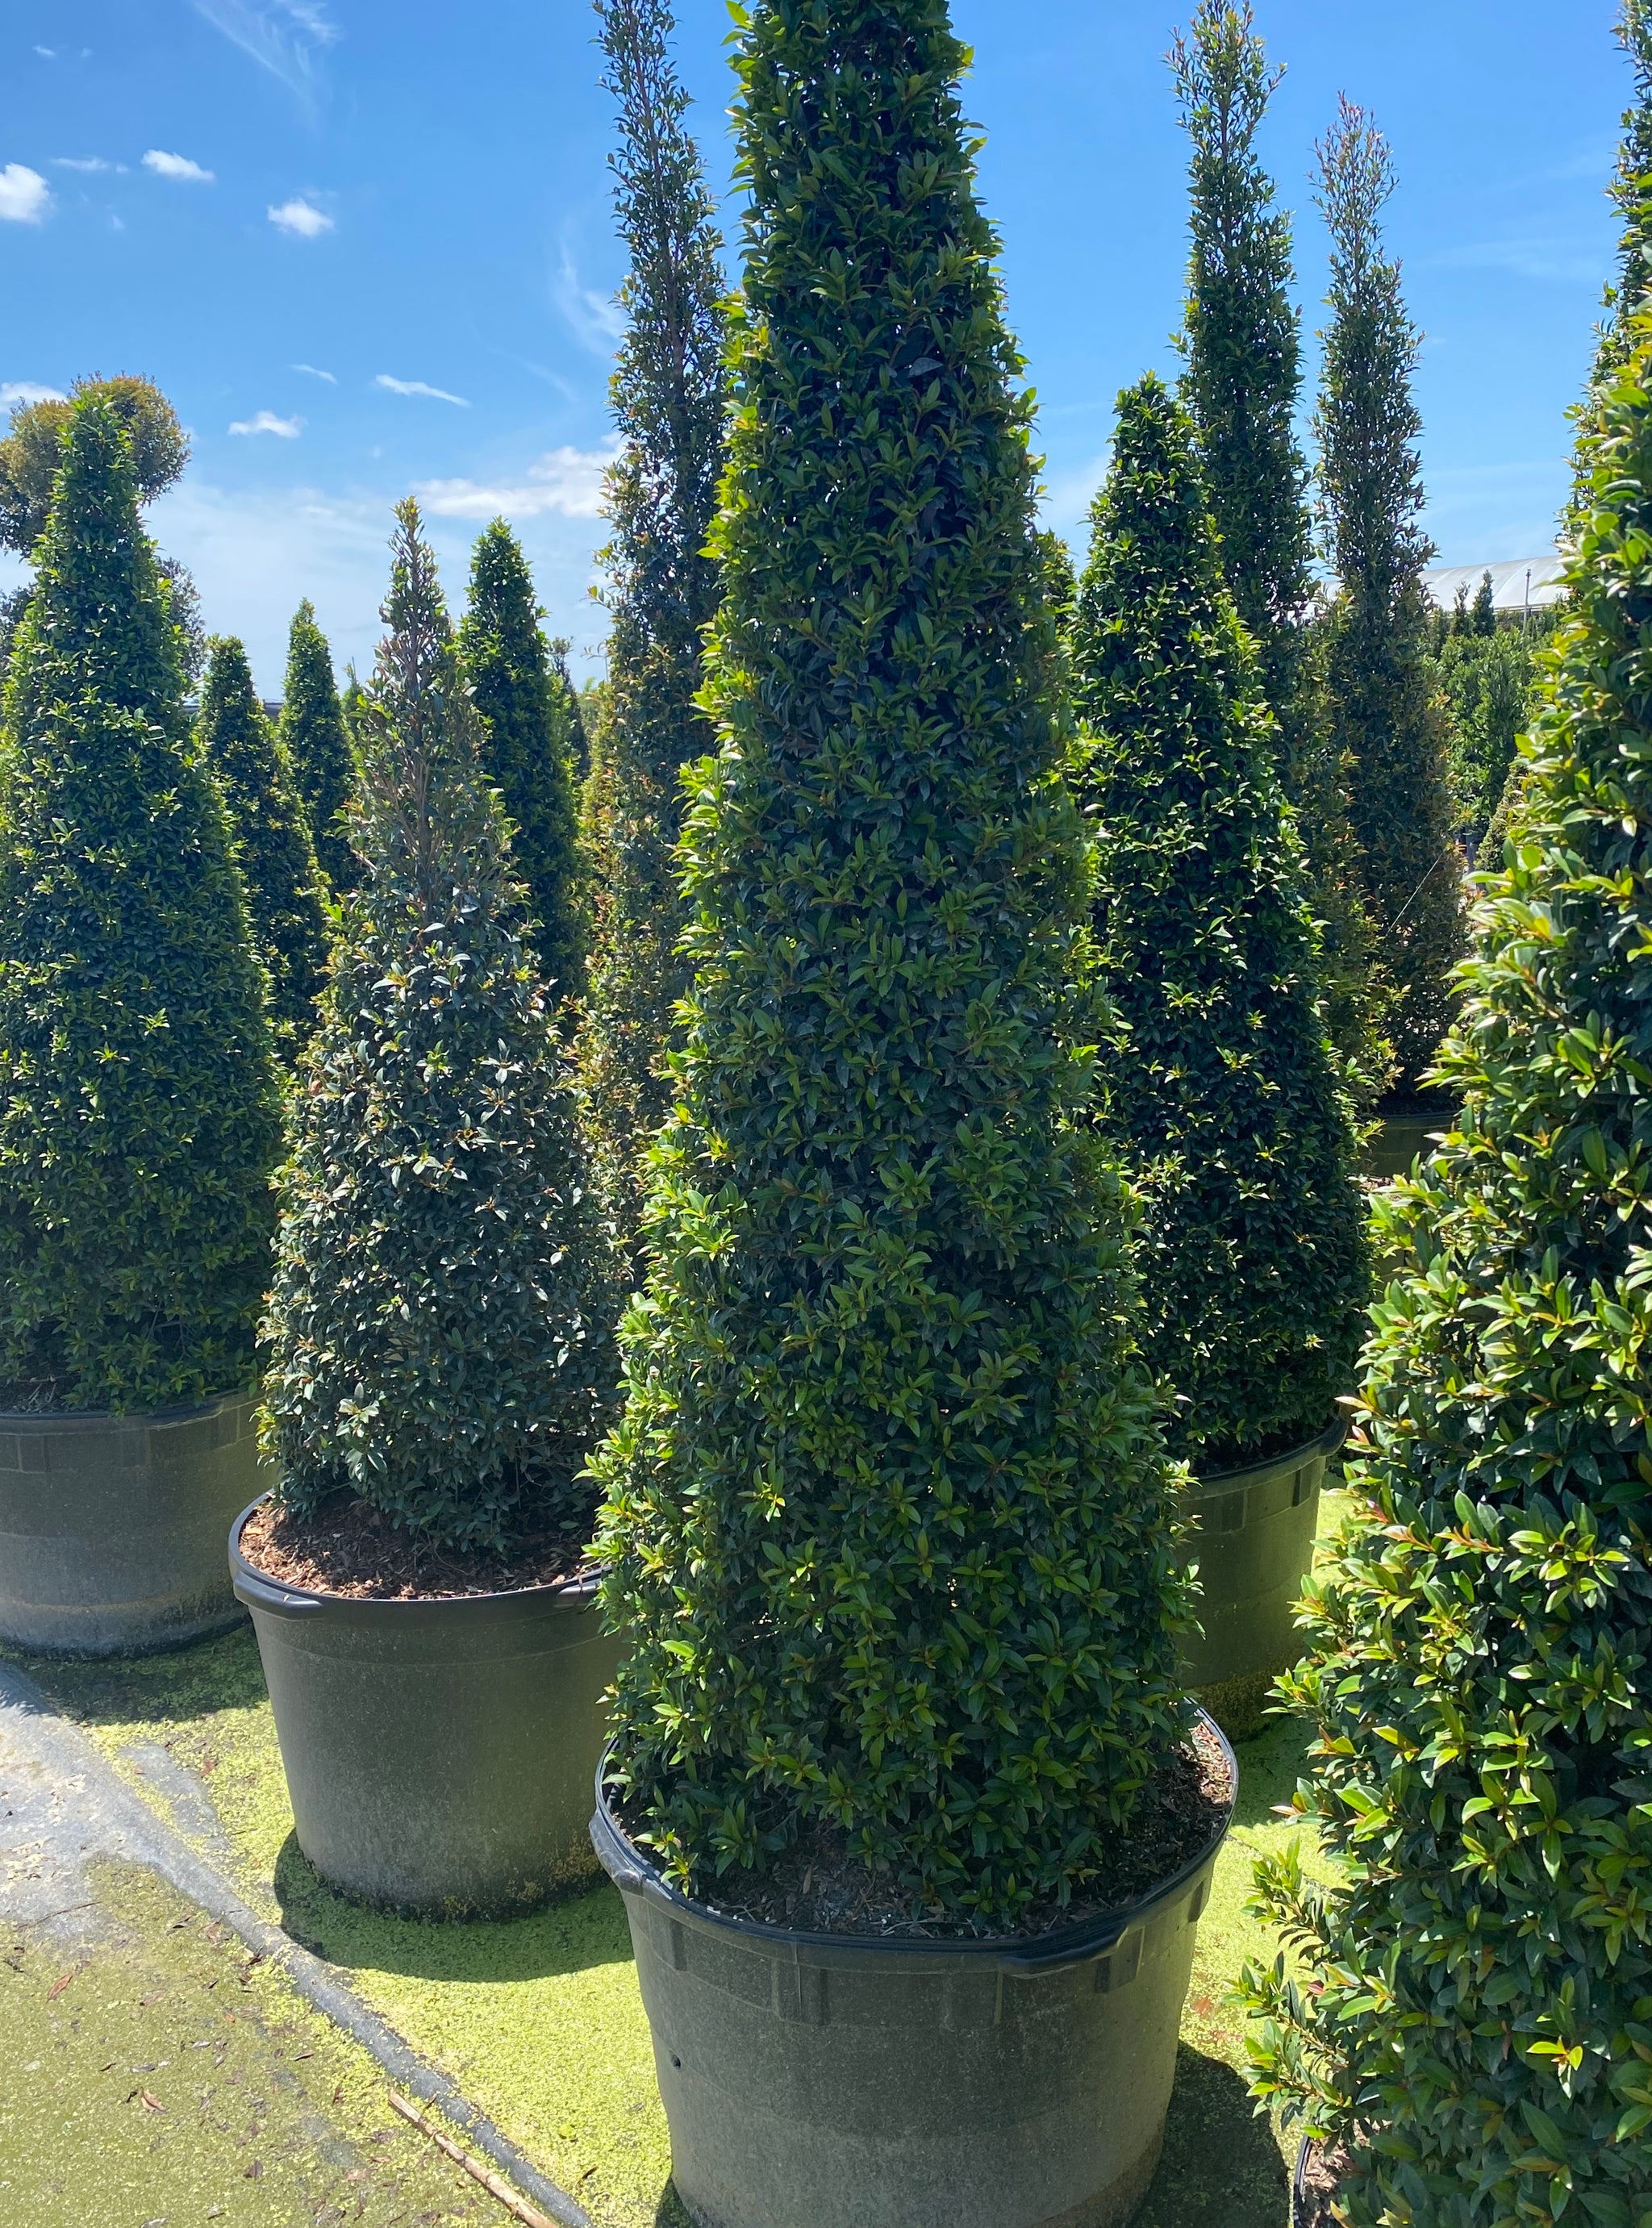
point(439, 1330)
point(317, 747)
point(139, 1116)
point(1219, 1090)
point(271, 842)
point(888, 1522)
point(1479, 2021)
point(528, 717)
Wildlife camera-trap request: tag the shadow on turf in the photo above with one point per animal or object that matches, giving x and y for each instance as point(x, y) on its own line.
point(171, 1686)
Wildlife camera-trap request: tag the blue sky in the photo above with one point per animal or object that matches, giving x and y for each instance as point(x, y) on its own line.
point(366, 246)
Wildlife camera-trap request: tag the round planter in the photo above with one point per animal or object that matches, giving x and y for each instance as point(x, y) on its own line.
point(112, 1527)
point(831, 2081)
point(438, 1754)
point(1253, 1540)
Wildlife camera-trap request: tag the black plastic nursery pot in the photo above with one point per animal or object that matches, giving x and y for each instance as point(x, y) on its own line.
point(1253, 1540)
point(834, 2081)
point(438, 1752)
point(112, 1527)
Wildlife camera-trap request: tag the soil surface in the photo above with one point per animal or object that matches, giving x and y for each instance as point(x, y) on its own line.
point(351, 1550)
point(1322, 2180)
point(817, 1887)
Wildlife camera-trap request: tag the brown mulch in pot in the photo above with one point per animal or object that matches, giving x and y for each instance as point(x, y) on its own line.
point(352, 1550)
point(1322, 2180)
point(815, 1886)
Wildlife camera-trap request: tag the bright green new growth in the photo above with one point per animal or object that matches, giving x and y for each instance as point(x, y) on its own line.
point(270, 841)
point(439, 1327)
point(1385, 721)
point(889, 1525)
point(137, 1103)
point(1480, 1658)
point(530, 721)
point(1220, 1092)
point(668, 395)
point(317, 747)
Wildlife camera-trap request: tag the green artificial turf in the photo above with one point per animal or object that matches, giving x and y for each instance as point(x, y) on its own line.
point(539, 2019)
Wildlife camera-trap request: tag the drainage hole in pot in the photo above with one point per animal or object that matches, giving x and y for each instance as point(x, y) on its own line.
point(676, 2061)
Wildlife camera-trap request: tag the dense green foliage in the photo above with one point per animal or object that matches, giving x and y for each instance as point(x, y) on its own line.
point(270, 841)
point(1485, 680)
point(529, 730)
point(317, 747)
point(31, 451)
point(668, 404)
point(889, 1525)
point(1219, 1091)
point(1476, 2011)
point(439, 1330)
point(1386, 718)
point(1631, 192)
point(138, 1104)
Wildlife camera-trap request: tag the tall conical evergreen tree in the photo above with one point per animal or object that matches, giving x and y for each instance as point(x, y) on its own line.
point(138, 1114)
point(1480, 1961)
point(529, 722)
point(1631, 191)
point(1220, 1091)
point(268, 839)
point(668, 396)
point(441, 1323)
point(1385, 717)
point(317, 745)
point(889, 1525)
point(1241, 338)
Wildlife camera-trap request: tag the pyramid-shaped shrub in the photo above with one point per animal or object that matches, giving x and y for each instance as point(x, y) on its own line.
point(1219, 1091)
point(137, 1111)
point(890, 1527)
point(440, 1331)
point(317, 745)
point(1479, 2022)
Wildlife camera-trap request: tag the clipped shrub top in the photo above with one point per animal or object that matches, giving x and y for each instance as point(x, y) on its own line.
point(890, 1527)
point(1481, 1664)
point(1219, 1091)
point(271, 842)
point(317, 745)
point(137, 1108)
point(439, 1330)
point(32, 450)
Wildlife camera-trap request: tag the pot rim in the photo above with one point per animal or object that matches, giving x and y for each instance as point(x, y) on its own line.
point(633, 1872)
point(35, 1419)
point(257, 1589)
point(1293, 1458)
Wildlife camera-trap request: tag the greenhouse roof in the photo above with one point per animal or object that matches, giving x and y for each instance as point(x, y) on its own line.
point(1518, 584)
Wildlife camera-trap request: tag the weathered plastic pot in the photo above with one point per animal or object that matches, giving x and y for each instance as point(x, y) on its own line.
point(112, 1527)
point(1253, 1540)
point(833, 2081)
point(437, 1753)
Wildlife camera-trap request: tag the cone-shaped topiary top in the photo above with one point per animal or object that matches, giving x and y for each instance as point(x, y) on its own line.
point(440, 1330)
point(1220, 1093)
point(318, 744)
point(1480, 1661)
point(137, 1108)
point(272, 844)
point(528, 718)
point(890, 1525)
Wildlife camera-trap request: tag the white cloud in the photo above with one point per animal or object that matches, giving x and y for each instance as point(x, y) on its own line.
point(47, 54)
point(84, 163)
point(14, 391)
point(568, 482)
point(265, 421)
point(314, 372)
point(285, 37)
point(301, 218)
point(24, 195)
point(418, 386)
point(178, 167)
point(597, 319)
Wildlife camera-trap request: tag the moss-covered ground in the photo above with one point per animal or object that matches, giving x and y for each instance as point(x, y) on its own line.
point(539, 2020)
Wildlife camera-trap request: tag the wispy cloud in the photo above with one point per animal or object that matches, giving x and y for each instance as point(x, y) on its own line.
point(178, 167)
point(418, 386)
point(598, 320)
point(1571, 261)
point(88, 163)
point(283, 37)
point(47, 54)
point(14, 391)
point(313, 371)
point(566, 481)
point(265, 421)
point(24, 195)
point(301, 218)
